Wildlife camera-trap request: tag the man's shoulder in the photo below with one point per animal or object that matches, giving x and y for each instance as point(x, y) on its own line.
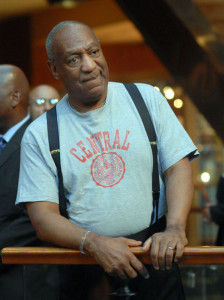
point(138, 84)
point(36, 128)
point(144, 88)
point(38, 122)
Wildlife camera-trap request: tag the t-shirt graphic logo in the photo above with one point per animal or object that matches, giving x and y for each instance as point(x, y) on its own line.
point(107, 169)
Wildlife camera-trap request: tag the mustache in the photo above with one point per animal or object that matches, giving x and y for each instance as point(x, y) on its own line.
point(90, 77)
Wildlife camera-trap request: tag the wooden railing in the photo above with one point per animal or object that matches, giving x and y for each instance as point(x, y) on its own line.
point(54, 255)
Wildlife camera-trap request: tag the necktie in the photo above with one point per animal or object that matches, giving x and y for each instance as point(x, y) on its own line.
point(2, 144)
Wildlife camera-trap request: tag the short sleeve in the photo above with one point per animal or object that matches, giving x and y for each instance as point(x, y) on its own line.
point(37, 179)
point(173, 141)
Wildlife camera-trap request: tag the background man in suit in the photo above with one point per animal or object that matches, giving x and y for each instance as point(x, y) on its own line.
point(215, 213)
point(15, 226)
point(42, 98)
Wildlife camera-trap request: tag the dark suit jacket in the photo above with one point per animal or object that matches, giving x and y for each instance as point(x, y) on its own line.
point(15, 226)
point(16, 281)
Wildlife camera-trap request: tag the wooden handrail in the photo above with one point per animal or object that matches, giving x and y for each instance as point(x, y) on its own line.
point(54, 255)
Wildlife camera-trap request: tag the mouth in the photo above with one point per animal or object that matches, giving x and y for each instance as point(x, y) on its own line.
point(90, 78)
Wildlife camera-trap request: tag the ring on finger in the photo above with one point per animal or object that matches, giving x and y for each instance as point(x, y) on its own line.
point(170, 248)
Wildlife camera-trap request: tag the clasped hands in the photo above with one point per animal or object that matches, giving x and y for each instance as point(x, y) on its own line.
point(114, 254)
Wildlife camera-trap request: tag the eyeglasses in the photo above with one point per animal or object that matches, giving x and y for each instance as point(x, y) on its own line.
point(41, 101)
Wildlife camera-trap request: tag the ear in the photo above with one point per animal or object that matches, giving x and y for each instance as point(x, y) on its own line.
point(16, 97)
point(53, 69)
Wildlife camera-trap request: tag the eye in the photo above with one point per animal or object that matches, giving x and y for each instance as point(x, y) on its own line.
point(94, 52)
point(73, 60)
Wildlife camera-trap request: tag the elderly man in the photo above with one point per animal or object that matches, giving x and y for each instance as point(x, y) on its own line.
point(42, 98)
point(17, 281)
point(106, 163)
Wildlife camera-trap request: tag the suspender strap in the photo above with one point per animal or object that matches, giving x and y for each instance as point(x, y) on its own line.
point(147, 122)
point(53, 138)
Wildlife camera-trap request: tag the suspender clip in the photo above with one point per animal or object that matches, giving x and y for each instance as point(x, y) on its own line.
point(55, 151)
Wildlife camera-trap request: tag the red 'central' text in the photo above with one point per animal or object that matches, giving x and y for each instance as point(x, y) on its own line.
point(98, 143)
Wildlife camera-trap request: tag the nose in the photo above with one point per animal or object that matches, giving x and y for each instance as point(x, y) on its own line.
point(88, 63)
point(47, 105)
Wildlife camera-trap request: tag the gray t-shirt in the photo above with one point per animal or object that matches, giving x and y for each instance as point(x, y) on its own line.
point(106, 161)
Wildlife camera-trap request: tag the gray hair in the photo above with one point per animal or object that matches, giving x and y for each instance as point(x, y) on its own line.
point(55, 29)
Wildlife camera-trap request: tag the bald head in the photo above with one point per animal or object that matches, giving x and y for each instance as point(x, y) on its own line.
point(15, 77)
point(47, 96)
point(58, 27)
point(14, 95)
point(76, 58)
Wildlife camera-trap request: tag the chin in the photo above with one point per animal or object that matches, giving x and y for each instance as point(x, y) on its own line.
point(96, 92)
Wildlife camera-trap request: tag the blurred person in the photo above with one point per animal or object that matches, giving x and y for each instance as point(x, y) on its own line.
point(106, 161)
point(215, 213)
point(42, 98)
point(17, 282)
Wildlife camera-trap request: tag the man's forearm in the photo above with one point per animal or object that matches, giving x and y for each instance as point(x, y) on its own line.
point(52, 227)
point(179, 193)
point(113, 254)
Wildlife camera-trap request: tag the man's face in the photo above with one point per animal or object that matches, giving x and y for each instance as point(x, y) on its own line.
point(80, 64)
point(42, 99)
point(5, 105)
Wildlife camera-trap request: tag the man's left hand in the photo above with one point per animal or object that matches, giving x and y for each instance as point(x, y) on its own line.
point(166, 247)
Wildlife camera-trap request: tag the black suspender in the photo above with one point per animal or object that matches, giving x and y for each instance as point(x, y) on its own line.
point(149, 128)
point(147, 122)
point(53, 137)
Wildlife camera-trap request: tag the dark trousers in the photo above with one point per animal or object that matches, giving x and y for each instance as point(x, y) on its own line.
point(29, 282)
point(92, 283)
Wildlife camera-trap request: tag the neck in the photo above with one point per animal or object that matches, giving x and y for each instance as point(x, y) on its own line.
point(85, 107)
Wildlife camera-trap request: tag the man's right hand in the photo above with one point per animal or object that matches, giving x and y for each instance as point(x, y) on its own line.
point(114, 255)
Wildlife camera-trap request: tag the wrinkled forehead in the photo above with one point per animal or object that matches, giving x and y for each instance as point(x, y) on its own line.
point(73, 36)
point(44, 92)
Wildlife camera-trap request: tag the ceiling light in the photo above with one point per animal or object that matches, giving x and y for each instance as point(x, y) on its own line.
point(168, 92)
point(205, 177)
point(178, 103)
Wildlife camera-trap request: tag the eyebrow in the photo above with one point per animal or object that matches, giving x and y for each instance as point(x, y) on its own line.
point(78, 51)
